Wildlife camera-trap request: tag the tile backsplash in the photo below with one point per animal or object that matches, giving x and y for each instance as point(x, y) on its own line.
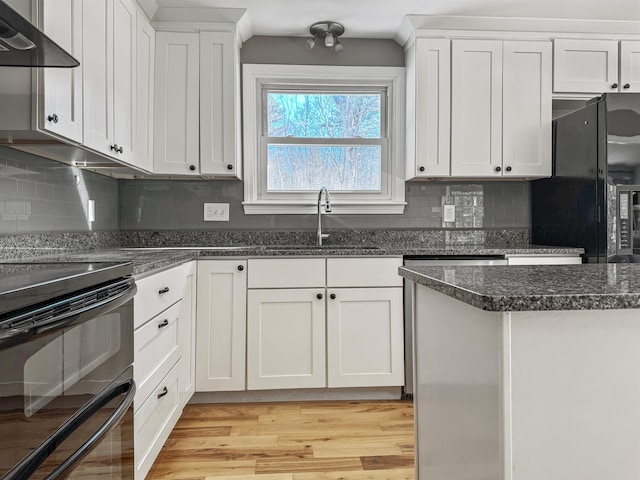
point(178, 205)
point(40, 195)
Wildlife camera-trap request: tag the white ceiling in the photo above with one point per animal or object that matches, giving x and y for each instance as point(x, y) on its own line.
point(383, 18)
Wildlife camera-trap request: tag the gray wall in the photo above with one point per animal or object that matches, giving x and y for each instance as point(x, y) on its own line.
point(293, 51)
point(178, 205)
point(39, 195)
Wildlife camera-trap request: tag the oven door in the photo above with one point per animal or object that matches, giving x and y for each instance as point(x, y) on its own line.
point(66, 400)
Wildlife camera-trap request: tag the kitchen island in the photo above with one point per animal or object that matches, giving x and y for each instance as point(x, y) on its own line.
point(528, 372)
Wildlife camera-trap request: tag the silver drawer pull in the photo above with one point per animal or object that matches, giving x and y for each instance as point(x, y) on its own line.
point(163, 392)
point(164, 323)
point(163, 291)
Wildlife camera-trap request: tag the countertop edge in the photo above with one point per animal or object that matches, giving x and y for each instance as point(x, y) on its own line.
point(526, 302)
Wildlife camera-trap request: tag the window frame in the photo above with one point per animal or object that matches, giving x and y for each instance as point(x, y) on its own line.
point(257, 79)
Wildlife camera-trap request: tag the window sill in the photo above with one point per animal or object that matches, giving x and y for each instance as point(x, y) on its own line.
point(296, 208)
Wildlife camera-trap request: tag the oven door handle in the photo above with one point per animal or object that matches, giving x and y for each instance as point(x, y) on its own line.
point(31, 462)
point(17, 335)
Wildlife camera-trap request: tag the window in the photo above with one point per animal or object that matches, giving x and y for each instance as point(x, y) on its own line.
point(308, 126)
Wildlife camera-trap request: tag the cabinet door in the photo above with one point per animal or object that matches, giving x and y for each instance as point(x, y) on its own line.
point(187, 334)
point(526, 132)
point(476, 108)
point(365, 337)
point(61, 111)
point(221, 325)
point(145, 60)
point(219, 105)
point(630, 66)
point(97, 22)
point(124, 84)
point(429, 111)
point(176, 108)
point(285, 339)
point(585, 66)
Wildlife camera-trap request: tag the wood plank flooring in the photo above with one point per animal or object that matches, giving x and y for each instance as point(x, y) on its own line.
point(291, 441)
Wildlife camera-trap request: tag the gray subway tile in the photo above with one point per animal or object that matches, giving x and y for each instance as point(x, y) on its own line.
point(27, 189)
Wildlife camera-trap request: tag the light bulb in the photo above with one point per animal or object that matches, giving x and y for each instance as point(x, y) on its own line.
point(329, 40)
point(311, 42)
point(339, 47)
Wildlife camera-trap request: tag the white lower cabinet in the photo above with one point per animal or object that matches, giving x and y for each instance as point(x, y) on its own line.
point(365, 342)
point(156, 350)
point(285, 338)
point(154, 420)
point(163, 348)
point(334, 322)
point(365, 332)
point(221, 325)
point(187, 334)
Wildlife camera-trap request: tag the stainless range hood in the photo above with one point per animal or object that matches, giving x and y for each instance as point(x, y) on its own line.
point(23, 45)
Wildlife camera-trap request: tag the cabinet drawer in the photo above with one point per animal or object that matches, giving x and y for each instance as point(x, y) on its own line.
point(156, 350)
point(155, 420)
point(286, 273)
point(156, 293)
point(364, 272)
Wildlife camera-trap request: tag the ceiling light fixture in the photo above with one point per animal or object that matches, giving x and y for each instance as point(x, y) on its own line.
point(330, 31)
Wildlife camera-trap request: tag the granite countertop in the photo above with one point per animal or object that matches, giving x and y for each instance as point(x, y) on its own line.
point(535, 287)
point(148, 259)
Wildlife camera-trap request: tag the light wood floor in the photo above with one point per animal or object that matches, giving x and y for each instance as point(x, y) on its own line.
point(291, 441)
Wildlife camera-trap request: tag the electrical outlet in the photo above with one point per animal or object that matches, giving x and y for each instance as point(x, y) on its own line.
point(91, 210)
point(216, 212)
point(449, 213)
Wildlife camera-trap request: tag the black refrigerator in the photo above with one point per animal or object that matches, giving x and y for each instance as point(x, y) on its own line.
point(593, 198)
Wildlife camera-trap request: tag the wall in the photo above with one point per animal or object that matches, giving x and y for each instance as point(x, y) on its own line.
point(178, 205)
point(39, 195)
point(293, 51)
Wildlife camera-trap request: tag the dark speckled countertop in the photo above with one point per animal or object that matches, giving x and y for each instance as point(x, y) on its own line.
point(538, 287)
point(149, 259)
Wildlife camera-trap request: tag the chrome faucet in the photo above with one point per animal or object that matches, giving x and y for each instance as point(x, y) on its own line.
point(327, 209)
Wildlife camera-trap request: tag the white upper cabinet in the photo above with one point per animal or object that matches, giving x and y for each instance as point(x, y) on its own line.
point(630, 66)
point(124, 77)
point(219, 104)
point(175, 146)
point(428, 63)
point(109, 31)
point(197, 104)
point(526, 114)
point(98, 79)
point(596, 66)
point(585, 66)
point(476, 107)
point(145, 61)
point(61, 112)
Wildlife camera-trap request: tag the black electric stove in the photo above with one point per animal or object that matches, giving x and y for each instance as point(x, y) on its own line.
point(25, 284)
